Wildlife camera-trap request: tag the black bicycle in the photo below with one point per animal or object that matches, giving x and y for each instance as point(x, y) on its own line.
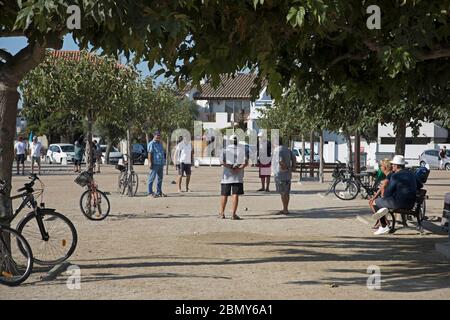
point(51, 235)
point(341, 184)
point(16, 258)
point(128, 180)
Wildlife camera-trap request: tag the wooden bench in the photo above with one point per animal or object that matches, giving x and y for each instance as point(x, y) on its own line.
point(307, 167)
point(418, 212)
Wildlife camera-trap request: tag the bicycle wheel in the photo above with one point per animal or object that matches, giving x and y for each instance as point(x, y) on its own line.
point(134, 184)
point(121, 181)
point(346, 189)
point(16, 258)
point(94, 205)
point(59, 242)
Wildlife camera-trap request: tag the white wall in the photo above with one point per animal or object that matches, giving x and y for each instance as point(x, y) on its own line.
point(427, 129)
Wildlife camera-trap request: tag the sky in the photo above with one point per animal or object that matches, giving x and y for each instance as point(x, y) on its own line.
point(15, 44)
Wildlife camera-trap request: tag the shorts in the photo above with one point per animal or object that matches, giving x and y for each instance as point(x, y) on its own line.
point(283, 187)
point(77, 162)
point(20, 158)
point(232, 188)
point(184, 168)
point(36, 159)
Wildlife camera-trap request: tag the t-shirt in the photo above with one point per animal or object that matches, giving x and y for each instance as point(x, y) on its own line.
point(233, 155)
point(20, 147)
point(402, 188)
point(285, 155)
point(183, 153)
point(36, 149)
point(155, 148)
point(442, 154)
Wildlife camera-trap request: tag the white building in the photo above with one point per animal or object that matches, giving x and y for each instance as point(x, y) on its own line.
point(230, 103)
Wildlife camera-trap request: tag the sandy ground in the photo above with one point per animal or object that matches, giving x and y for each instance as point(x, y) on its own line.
point(177, 248)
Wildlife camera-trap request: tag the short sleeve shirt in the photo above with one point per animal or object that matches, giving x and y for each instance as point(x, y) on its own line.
point(20, 147)
point(156, 149)
point(233, 155)
point(285, 155)
point(183, 152)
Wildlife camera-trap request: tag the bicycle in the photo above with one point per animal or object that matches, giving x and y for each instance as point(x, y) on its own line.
point(16, 258)
point(94, 203)
point(128, 182)
point(51, 235)
point(340, 183)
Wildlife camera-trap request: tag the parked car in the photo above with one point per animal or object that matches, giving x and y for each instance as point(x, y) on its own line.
point(114, 155)
point(56, 153)
point(139, 153)
point(431, 157)
point(299, 158)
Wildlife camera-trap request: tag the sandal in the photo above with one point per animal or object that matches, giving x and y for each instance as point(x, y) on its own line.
point(236, 217)
point(221, 216)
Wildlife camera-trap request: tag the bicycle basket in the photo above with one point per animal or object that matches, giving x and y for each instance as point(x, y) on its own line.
point(120, 167)
point(83, 179)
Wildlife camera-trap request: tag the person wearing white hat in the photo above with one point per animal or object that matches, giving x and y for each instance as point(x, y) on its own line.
point(234, 161)
point(399, 194)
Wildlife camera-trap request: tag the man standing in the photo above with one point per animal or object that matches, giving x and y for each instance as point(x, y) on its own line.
point(156, 160)
point(234, 161)
point(20, 151)
point(283, 164)
point(36, 150)
point(97, 156)
point(183, 160)
point(442, 157)
point(399, 194)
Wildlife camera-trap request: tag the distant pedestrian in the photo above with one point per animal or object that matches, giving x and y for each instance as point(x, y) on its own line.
point(264, 161)
point(234, 161)
point(97, 155)
point(183, 160)
point(156, 160)
point(36, 152)
point(78, 155)
point(283, 164)
point(442, 157)
point(20, 150)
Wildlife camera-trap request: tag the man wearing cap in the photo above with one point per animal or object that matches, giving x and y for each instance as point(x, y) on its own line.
point(156, 160)
point(234, 161)
point(399, 194)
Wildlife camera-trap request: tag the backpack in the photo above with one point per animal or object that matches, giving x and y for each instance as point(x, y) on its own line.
point(421, 175)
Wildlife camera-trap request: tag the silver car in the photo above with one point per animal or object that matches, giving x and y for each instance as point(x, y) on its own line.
point(431, 157)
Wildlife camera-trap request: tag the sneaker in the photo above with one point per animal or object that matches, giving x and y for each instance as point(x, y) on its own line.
point(380, 213)
point(381, 231)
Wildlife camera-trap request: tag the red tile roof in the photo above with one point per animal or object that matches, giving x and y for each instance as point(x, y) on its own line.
point(237, 87)
point(76, 55)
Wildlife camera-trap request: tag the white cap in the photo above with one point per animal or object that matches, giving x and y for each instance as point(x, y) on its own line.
point(399, 160)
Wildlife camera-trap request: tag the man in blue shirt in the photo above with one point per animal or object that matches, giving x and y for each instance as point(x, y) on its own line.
point(399, 194)
point(156, 160)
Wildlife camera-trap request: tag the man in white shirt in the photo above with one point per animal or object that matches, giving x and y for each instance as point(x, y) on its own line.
point(183, 161)
point(20, 153)
point(36, 149)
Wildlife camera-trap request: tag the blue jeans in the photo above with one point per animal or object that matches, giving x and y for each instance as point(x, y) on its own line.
point(156, 171)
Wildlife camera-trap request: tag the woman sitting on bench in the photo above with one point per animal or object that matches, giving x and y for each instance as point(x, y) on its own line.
point(384, 175)
point(400, 193)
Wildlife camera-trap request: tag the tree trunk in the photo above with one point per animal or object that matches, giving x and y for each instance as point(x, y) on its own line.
point(108, 150)
point(303, 149)
point(167, 154)
point(147, 138)
point(9, 97)
point(311, 154)
point(89, 146)
point(400, 137)
point(321, 157)
point(357, 152)
point(348, 138)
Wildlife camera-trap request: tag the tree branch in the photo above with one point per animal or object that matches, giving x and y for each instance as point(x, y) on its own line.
point(437, 54)
point(24, 61)
point(8, 33)
point(347, 56)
